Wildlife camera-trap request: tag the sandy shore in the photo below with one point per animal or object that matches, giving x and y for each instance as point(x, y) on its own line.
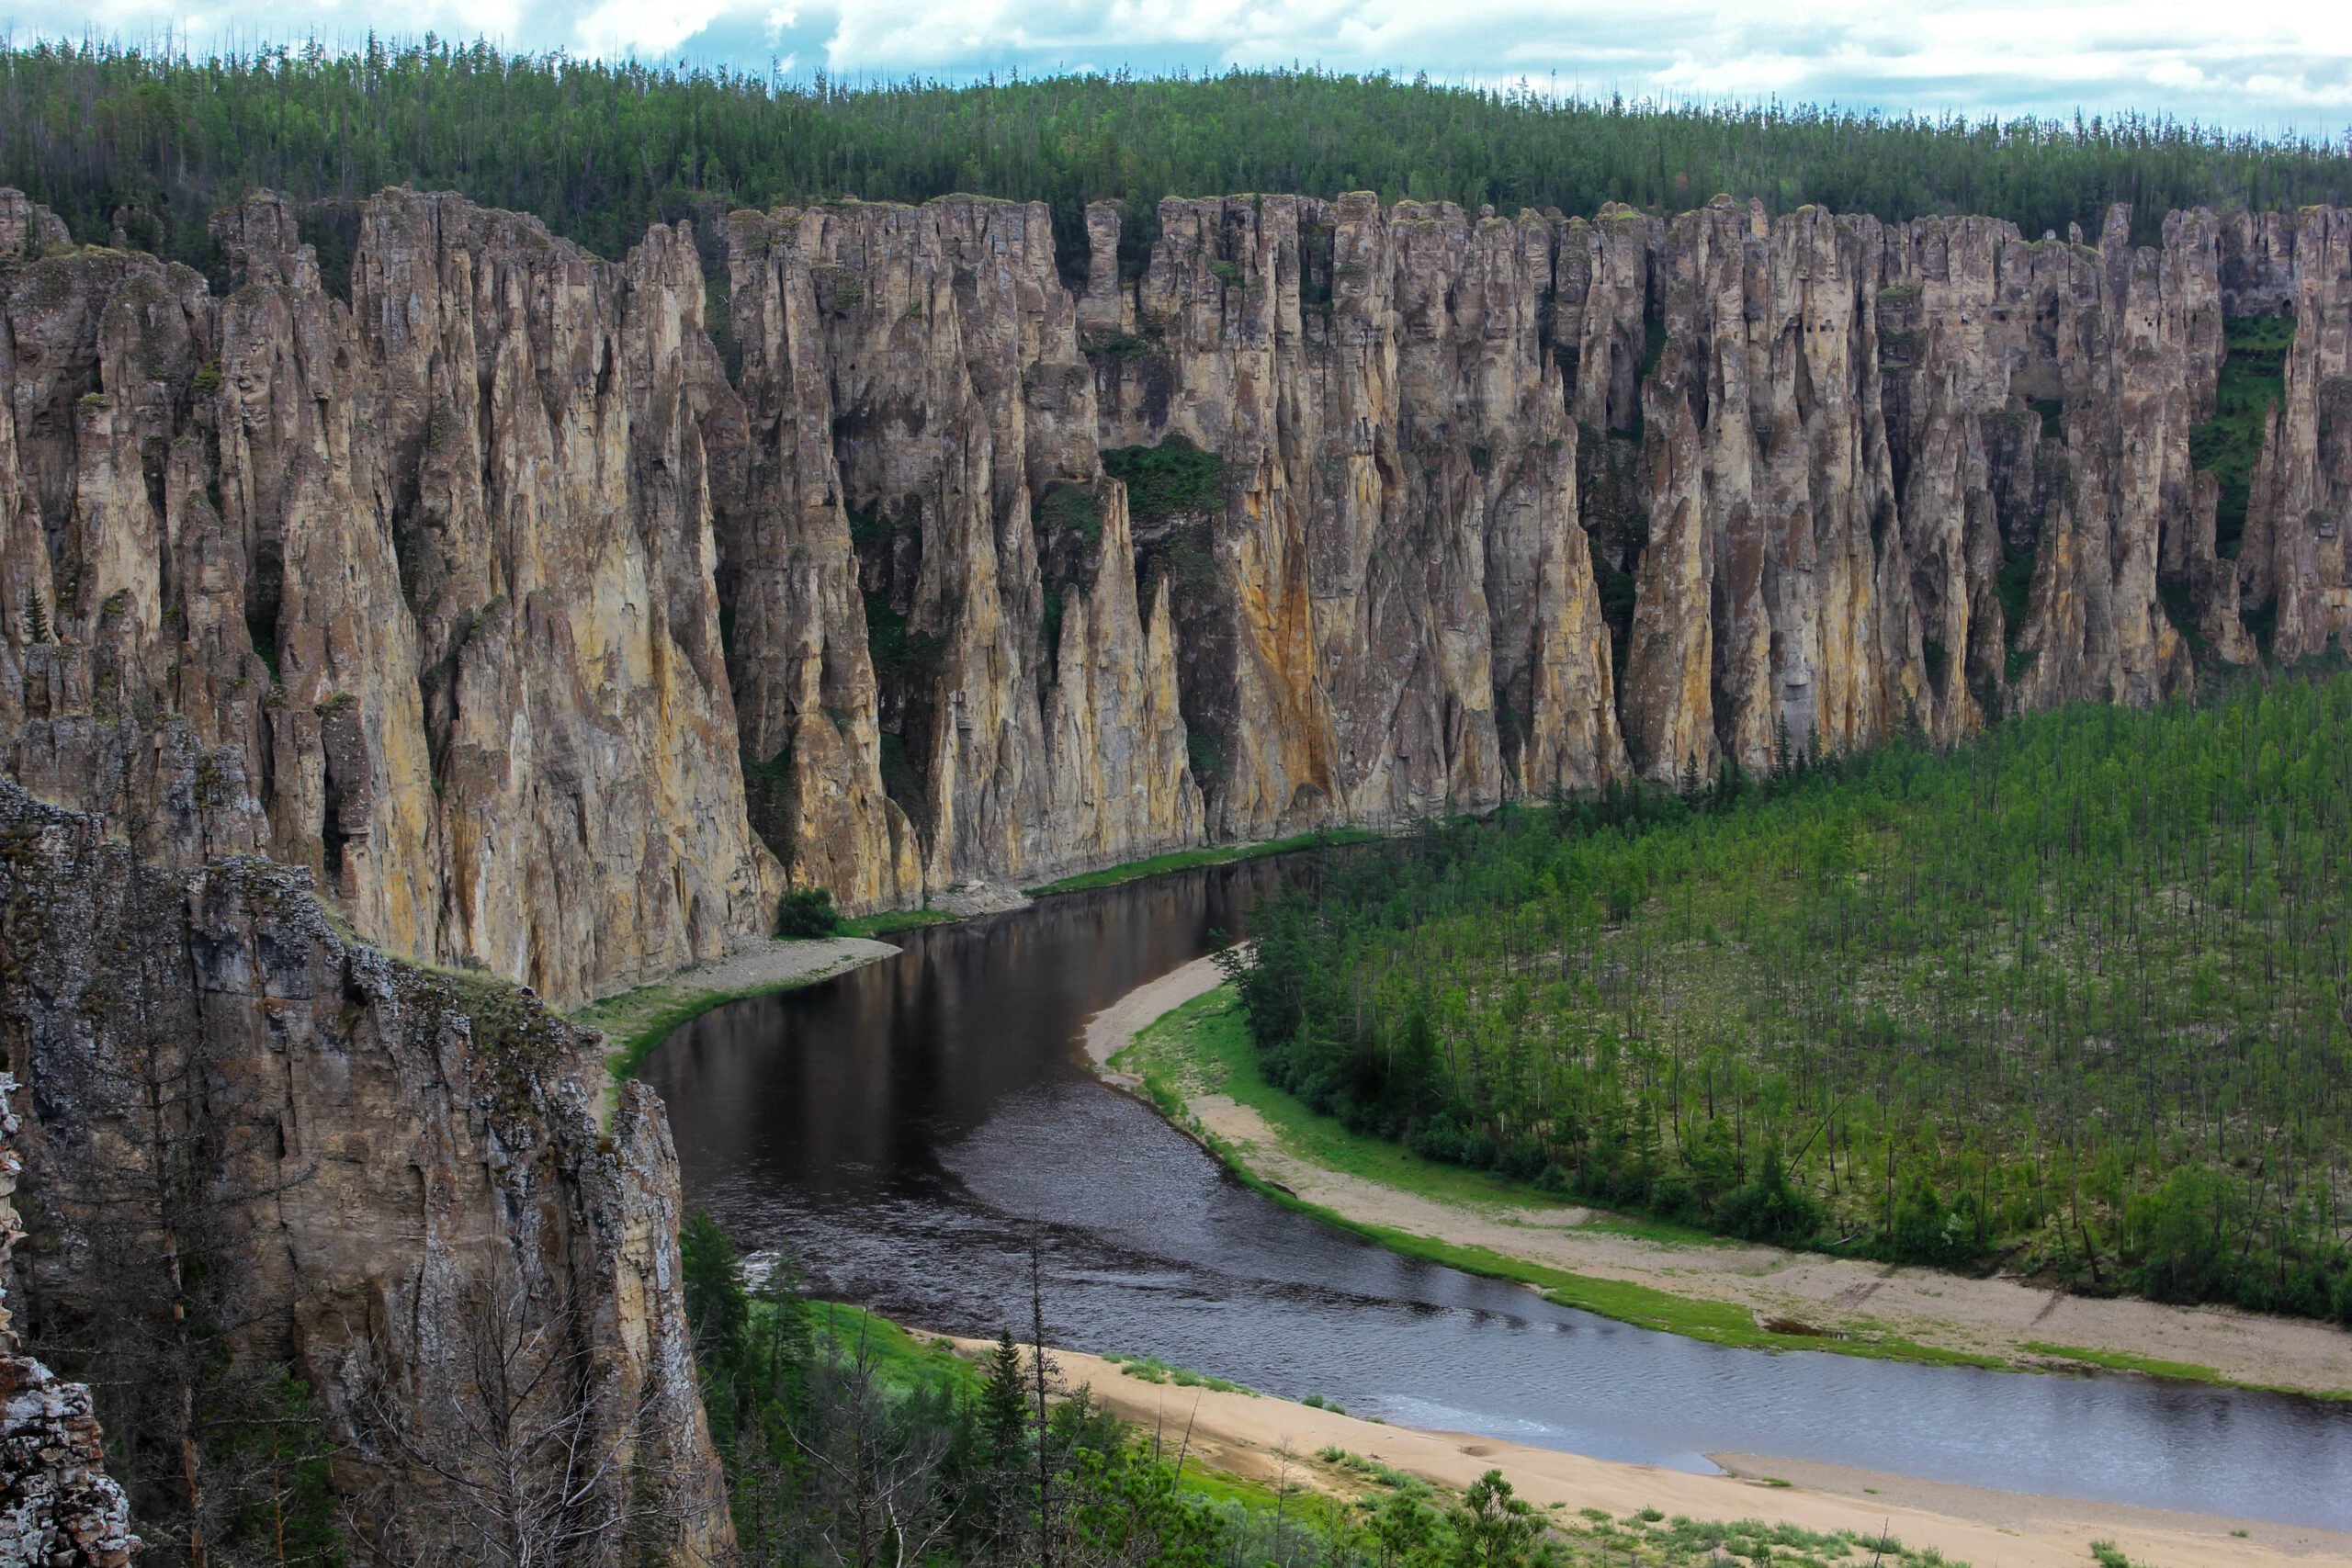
point(1994, 1318)
point(1250, 1435)
point(772, 964)
point(1110, 1031)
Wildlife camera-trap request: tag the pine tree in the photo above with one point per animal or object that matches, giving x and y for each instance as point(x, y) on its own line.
point(1005, 1402)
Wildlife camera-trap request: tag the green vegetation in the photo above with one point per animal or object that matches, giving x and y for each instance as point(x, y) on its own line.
point(1212, 854)
point(1070, 508)
point(807, 912)
point(634, 1022)
point(1168, 480)
point(2253, 379)
point(889, 921)
point(895, 650)
point(1205, 1046)
point(1152, 1370)
point(601, 149)
point(2070, 999)
point(2122, 1362)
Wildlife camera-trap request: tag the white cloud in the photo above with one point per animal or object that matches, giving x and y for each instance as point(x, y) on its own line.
point(643, 26)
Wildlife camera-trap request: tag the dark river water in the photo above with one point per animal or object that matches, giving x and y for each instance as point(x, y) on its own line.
point(903, 1131)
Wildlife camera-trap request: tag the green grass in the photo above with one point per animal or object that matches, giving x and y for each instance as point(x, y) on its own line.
point(1211, 854)
point(1204, 1045)
point(634, 1022)
point(1152, 1370)
point(888, 923)
point(902, 1360)
point(2124, 1362)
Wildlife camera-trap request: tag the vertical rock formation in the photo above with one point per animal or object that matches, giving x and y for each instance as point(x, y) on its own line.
point(2295, 560)
point(1506, 506)
point(485, 594)
point(417, 593)
point(387, 1154)
point(1402, 606)
point(938, 640)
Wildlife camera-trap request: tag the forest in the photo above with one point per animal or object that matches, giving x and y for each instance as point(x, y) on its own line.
point(2073, 1000)
point(112, 137)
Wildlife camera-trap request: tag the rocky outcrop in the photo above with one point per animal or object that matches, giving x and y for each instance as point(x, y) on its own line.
point(938, 642)
point(57, 1505)
point(490, 599)
point(376, 1157)
point(1505, 507)
point(482, 604)
point(417, 593)
point(2295, 559)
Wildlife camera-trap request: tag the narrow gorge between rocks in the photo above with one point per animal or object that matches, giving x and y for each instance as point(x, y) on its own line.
point(901, 1130)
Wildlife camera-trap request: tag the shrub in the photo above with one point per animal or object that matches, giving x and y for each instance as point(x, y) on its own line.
point(807, 912)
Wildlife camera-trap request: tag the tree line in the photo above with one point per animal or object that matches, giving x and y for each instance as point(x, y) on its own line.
point(2074, 999)
point(102, 132)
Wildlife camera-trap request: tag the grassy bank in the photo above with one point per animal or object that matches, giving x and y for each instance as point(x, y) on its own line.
point(1205, 1047)
point(889, 922)
point(1210, 854)
point(634, 1022)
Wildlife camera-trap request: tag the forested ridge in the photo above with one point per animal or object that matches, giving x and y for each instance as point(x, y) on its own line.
point(599, 149)
point(2074, 1000)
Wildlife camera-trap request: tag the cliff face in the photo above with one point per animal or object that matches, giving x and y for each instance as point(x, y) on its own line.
point(939, 645)
point(1505, 507)
point(482, 597)
point(57, 1505)
point(380, 1158)
point(490, 599)
point(2295, 551)
point(417, 592)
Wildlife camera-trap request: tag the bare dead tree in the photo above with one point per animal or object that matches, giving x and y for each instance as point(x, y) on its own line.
point(531, 1452)
point(877, 1492)
point(1045, 1378)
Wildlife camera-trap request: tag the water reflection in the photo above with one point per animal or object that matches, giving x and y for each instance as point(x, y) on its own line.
point(902, 1129)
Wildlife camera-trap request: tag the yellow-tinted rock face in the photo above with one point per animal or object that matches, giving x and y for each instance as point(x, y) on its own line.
point(487, 596)
point(381, 1147)
point(417, 593)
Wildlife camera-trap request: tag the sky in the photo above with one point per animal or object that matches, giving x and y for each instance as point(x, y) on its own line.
point(2281, 66)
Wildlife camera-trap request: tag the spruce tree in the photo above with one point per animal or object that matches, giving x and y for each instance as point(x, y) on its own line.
point(1005, 1402)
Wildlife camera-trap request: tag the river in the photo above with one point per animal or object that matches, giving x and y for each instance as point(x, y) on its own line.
point(904, 1130)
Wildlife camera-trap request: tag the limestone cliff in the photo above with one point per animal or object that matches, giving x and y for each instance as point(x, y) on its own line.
point(938, 642)
point(1505, 507)
point(375, 1156)
point(417, 593)
point(488, 597)
point(546, 626)
point(2295, 557)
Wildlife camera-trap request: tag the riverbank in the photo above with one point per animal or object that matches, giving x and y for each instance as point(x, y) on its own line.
point(1207, 854)
point(1270, 1440)
point(1182, 1040)
point(634, 1022)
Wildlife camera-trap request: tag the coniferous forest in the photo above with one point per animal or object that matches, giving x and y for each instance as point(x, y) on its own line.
point(2072, 1000)
point(111, 137)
